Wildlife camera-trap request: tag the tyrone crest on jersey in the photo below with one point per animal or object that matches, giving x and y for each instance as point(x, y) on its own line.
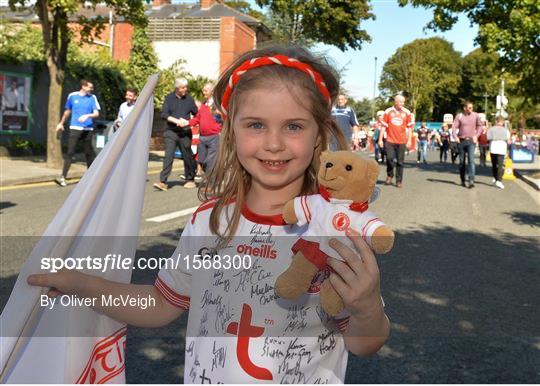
point(341, 221)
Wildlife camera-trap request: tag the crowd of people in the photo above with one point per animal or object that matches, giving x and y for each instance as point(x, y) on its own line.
point(393, 135)
point(389, 137)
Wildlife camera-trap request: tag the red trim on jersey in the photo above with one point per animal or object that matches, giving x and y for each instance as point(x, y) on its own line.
point(311, 251)
point(204, 206)
point(305, 208)
point(343, 323)
point(275, 219)
point(172, 297)
point(366, 226)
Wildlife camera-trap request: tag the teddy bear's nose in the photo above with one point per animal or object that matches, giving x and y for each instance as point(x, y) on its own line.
point(329, 165)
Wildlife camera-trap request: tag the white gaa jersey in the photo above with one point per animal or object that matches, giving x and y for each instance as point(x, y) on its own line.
point(329, 220)
point(238, 331)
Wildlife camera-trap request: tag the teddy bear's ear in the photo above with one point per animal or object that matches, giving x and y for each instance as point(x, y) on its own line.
point(373, 172)
point(324, 154)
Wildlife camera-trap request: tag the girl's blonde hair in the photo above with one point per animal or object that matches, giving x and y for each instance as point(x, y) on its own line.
point(228, 181)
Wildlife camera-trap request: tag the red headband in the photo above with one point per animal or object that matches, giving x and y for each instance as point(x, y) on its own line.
point(269, 60)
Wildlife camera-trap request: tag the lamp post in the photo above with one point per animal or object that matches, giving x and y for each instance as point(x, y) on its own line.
point(374, 91)
point(485, 105)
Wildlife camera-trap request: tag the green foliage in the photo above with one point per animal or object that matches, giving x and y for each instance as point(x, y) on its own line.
point(245, 7)
point(480, 77)
point(333, 22)
point(363, 109)
point(429, 71)
point(20, 43)
point(142, 61)
point(510, 28)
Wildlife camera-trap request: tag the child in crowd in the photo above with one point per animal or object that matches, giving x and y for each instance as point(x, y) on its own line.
point(276, 105)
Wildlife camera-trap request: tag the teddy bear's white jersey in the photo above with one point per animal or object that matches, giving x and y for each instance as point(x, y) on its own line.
point(238, 331)
point(330, 219)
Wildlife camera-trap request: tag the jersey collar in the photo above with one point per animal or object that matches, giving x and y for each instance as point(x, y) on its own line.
point(354, 206)
point(275, 219)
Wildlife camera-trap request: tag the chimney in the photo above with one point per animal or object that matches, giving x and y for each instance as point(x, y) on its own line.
point(206, 4)
point(159, 3)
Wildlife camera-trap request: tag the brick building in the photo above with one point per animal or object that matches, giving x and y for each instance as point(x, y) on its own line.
point(207, 34)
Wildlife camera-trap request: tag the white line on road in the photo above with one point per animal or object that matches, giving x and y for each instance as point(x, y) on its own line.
point(170, 216)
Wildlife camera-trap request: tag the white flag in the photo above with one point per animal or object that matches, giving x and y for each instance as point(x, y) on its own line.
point(71, 344)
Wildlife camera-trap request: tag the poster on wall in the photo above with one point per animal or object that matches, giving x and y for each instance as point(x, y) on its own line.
point(15, 102)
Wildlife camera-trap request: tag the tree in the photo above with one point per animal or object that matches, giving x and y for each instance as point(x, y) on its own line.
point(507, 27)
point(143, 60)
point(429, 71)
point(363, 109)
point(54, 16)
point(481, 79)
point(245, 7)
point(332, 22)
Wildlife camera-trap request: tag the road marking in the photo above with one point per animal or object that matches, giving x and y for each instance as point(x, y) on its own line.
point(170, 216)
point(71, 181)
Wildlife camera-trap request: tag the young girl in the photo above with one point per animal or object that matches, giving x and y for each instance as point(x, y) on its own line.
point(276, 106)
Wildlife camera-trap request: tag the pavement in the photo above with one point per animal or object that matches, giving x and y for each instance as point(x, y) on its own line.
point(28, 170)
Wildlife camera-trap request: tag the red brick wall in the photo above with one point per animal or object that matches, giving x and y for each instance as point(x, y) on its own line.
point(235, 39)
point(123, 33)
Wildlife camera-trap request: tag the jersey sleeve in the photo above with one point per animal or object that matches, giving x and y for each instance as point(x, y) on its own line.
point(352, 118)
point(303, 208)
point(174, 282)
point(384, 119)
point(410, 124)
point(69, 103)
point(371, 223)
point(96, 105)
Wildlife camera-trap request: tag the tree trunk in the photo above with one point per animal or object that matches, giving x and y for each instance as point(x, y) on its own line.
point(54, 148)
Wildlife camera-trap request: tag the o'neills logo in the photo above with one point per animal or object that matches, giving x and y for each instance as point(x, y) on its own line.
point(341, 221)
point(266, 251)
point(107, 359)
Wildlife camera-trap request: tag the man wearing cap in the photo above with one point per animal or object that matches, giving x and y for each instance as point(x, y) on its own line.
point(466, 128)
point(177, 107)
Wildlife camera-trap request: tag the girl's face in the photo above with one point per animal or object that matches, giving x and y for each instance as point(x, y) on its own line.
point(275, 139)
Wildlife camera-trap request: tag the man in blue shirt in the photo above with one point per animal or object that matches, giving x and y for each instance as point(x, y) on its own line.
point(83, 107)
point(345, 117)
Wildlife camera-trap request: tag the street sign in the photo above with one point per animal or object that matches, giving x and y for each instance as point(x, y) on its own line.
point(448, 118)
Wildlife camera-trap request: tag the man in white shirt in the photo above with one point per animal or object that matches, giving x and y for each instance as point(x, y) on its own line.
point(126, 107)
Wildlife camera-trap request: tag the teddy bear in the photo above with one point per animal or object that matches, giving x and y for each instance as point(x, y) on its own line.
point(346, 185)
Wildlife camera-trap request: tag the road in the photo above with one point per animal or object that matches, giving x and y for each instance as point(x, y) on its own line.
point(461, 285)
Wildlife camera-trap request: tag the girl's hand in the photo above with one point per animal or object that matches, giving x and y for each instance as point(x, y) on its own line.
point(64, 281)
point(357, 278)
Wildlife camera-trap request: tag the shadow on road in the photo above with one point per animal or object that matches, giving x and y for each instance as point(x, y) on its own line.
point(463, 308)
point(524, 218)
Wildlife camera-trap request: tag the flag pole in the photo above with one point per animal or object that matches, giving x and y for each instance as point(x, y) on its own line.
point(74, 223)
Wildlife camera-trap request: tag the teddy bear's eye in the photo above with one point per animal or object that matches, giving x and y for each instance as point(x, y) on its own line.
point(348, 168)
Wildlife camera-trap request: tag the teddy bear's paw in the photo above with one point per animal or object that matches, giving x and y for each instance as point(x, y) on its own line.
point(331, 302)
point(295, 281)
point(382, 240)
point(288, 287)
